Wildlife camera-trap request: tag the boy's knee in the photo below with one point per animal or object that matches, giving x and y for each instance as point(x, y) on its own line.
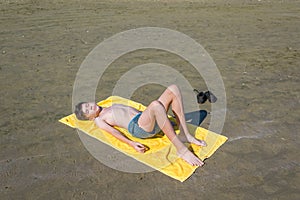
point(174, 90)
point(156, 105)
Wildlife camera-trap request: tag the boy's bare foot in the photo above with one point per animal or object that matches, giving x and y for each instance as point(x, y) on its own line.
point(197, 142)
point(190, 158)
point(191, 139)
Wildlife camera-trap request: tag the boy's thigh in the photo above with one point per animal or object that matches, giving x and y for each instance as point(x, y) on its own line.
point(147, 119)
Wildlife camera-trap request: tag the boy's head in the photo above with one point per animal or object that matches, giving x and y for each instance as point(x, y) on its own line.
point(87, 110)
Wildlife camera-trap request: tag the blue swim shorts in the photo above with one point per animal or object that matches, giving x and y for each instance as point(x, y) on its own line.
point(137, 131)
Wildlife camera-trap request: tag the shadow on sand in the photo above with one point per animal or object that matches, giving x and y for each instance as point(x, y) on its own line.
point(196, 117)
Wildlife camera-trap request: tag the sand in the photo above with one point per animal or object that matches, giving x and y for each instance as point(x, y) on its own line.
point(255, 45)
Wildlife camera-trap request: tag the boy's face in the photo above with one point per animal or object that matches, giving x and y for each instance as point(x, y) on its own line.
point(91, 110)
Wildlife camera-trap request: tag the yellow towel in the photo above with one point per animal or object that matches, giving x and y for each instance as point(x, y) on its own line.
point(161, 155)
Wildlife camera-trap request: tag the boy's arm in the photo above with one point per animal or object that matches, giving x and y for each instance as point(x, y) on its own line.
point(108, 128)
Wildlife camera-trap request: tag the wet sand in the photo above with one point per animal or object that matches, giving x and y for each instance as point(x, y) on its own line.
point(255, 45)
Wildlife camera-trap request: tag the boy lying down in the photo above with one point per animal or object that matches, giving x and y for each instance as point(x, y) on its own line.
point(145, 124)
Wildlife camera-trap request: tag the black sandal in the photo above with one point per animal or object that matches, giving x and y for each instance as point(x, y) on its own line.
point(210, 96)
point(201, 97)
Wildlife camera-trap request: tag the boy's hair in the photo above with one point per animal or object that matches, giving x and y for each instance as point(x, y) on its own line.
point(79, 113)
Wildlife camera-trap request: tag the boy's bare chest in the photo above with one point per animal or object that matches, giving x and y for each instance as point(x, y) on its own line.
point(118, 115)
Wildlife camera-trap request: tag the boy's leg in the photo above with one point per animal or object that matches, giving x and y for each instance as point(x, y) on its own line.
point(156, 113)
point(172, 97)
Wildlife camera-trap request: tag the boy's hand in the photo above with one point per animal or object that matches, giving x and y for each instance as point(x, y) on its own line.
point(139, 147)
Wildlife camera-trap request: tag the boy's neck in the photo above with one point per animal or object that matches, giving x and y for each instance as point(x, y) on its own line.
point(100, 110)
